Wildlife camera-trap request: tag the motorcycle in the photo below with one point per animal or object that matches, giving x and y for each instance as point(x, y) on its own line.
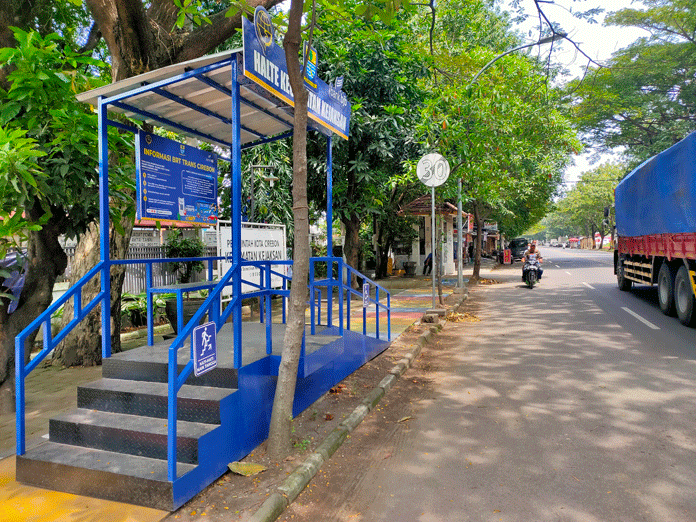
point(530, 272)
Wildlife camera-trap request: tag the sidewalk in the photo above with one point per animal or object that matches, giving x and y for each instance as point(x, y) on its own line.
point(51, 391)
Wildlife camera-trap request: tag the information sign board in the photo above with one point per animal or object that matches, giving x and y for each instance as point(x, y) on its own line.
point(260, 242)
point(204, 348)
point(175, 181)
point(264, 64)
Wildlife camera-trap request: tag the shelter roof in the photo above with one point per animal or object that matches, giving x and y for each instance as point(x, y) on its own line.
point(422, 207)
point(193, 98)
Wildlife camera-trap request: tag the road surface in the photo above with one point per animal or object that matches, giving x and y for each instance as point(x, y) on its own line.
point(572, 401)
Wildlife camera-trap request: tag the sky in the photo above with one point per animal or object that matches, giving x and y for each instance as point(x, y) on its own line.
point(596, 40)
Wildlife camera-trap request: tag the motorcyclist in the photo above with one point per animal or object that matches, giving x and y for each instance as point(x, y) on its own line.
point(532, 253)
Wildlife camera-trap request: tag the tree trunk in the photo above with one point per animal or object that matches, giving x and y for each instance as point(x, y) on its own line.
point(279, 443)
point(82, 347)
point(351, 247)
point(46, 260)
point(477, 244)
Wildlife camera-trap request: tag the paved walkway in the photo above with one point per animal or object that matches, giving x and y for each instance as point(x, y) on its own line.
point(51, 391)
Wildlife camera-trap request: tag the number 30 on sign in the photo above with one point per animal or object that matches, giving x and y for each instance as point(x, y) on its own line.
point(433, 170)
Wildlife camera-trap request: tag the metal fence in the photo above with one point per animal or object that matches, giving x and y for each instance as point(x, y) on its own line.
point(134, 281)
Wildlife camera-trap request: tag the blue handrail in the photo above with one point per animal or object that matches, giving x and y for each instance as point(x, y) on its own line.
point(49, 343)
point(176, 381)
point(345, 291)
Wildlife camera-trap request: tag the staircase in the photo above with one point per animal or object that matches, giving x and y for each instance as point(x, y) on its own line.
point(114, 445)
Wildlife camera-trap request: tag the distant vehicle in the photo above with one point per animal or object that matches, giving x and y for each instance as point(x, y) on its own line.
point(656, 229)
point(518, 246)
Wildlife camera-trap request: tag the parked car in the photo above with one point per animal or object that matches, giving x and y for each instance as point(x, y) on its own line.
point(518, 246)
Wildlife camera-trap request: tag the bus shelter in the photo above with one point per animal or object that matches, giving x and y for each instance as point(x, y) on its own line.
point(161, 426)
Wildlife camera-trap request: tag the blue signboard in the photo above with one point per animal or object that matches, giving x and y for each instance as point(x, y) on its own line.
point(264, 63)
point(204, 348)
point(175, 182)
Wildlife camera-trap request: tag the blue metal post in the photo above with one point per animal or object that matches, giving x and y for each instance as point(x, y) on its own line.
point(150, 311)
point(269, 315)
point(377, 312)
point(236, 216)
point(104, 228)
point(19, 395)
point(262, 284)
point(340, 296)
point(349, 295)
point(364, 320)
point(329, 198)
point(312, 297)
point(329, 230)
point(171, 417)
point(388, 317)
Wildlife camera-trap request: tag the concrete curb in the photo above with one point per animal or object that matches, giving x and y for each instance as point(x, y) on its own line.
point(303, 474)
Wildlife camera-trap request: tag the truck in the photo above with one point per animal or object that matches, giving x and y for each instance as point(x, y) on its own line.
point(655, 208)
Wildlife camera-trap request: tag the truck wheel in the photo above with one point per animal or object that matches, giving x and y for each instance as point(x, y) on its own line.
point(665, 289)
point(684, 297)
point(624, 284)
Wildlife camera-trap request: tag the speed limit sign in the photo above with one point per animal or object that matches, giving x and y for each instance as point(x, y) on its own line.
point(433, 170)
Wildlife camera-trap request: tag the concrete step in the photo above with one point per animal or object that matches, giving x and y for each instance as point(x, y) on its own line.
point(130, 434)
point(148, 365)
point(99, 473)
point(149, 399)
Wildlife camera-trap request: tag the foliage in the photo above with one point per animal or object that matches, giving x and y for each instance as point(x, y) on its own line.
point(581, 212)
point(642, 103)
point(177, 245)
point(134, 306)
point(271, 204)
point(505, 137)
point(49, 140)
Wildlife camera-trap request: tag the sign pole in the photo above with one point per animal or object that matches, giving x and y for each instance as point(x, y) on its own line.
point(460, 238)
point(432, 240)
point(433, 170)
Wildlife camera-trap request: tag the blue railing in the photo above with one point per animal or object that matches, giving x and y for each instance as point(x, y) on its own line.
point(341, 282)
point(49, 343)
point(210, 306)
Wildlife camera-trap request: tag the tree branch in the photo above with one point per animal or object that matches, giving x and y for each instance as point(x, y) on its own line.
point(208, 36)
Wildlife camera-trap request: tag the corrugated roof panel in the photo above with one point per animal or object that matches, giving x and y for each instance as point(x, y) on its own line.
point(206, 109)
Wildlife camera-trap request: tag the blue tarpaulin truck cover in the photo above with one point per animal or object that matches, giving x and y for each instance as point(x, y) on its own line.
point(659, 196)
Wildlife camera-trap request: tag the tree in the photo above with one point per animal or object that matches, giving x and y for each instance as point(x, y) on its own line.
point(382, 70)
point(281, 416)
point(642, 102)
point(50, 176)
point(584, 205)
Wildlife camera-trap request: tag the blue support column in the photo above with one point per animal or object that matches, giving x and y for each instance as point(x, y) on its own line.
point(236, 217)
point(104, 229)
point(329, 199)
point(329, 230)
point(150, 307)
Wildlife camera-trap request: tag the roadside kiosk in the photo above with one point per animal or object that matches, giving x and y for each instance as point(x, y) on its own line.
point(166, 419)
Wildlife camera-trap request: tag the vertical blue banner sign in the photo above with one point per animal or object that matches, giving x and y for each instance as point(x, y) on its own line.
point(175, 182)
point(204, 348)
point(264, 64)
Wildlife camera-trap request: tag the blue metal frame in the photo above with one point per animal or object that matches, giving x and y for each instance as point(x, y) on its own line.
point(233, 277)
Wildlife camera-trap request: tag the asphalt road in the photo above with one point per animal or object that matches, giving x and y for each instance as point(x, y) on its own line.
point(573, 401)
